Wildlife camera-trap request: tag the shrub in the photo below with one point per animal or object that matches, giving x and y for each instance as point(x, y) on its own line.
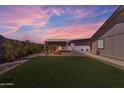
point(14, 49)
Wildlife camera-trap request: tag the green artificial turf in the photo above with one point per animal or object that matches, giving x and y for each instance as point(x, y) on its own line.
point(63, 72)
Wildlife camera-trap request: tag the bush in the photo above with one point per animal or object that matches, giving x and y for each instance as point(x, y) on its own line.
point(13, 49)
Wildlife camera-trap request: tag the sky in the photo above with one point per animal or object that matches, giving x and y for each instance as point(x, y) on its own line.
point(38, 23)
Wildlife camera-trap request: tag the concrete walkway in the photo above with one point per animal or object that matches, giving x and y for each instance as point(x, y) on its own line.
point(113, 62)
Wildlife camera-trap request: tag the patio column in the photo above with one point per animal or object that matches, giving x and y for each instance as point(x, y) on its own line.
point(66, 46)
point(44, 48)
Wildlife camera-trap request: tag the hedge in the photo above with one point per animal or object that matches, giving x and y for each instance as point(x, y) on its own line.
point(13, 49)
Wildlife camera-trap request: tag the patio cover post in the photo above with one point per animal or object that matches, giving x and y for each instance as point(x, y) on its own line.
point(66, 46)
point(44, 48)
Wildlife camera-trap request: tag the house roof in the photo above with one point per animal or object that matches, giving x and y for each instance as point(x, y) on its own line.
point(56, 40)
point(107, 23)
point(80, 42)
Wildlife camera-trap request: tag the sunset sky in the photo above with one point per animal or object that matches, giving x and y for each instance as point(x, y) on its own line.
point(37, 23)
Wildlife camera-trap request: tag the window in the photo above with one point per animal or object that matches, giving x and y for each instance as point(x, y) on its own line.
point(100, 43)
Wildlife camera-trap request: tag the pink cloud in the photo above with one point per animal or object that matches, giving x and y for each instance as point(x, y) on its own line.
point(19, 16)
point(35, 15)
point(62, 32)
point(55, 11)
point(70, 32)
point(80, 13)
point(39, 17)
point(28, 12)
point(28, 15)
point(5, 33)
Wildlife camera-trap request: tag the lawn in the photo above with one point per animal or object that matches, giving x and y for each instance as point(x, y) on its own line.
point(63, 72)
